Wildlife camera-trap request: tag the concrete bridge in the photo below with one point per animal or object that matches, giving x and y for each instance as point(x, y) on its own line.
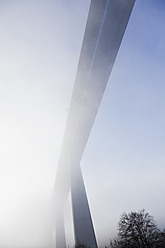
point(106, 25)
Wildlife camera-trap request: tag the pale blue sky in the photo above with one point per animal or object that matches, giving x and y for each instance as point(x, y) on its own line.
point(123, 164)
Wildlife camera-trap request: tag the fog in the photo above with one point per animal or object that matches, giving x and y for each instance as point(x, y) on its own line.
point(35, 93)
point(123, 164)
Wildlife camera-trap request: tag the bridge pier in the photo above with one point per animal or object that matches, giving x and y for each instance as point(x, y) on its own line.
point(82, 221)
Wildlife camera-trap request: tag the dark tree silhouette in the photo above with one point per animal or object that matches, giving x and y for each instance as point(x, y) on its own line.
point(138, 230)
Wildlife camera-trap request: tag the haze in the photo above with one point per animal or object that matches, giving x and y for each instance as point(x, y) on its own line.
point(123, 164)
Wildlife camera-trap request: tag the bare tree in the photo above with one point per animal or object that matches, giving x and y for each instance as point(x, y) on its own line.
point(138, 230)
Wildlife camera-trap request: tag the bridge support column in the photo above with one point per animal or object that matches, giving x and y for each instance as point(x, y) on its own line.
point(83, 226)
point(60, 231)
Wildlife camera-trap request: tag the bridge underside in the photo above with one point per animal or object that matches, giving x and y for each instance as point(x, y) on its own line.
point(106, 24)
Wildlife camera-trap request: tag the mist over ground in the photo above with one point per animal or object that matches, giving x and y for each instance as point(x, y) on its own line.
point(123, 164)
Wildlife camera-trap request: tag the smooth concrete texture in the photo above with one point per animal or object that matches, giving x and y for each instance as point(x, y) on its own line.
point(106, 24)
point(83, 227)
